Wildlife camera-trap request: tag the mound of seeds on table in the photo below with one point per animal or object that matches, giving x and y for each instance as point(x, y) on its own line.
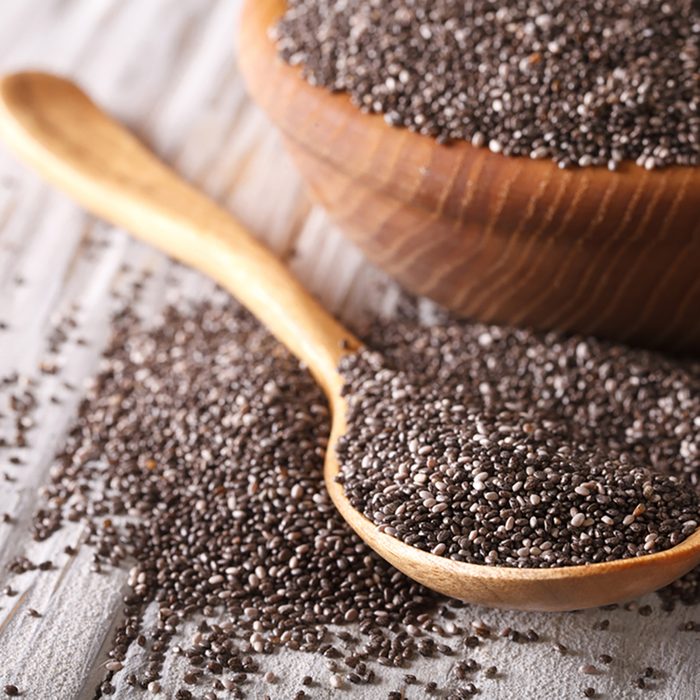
point(196, 460)
point(582, 83)
point(505, 447)
point(208, 437)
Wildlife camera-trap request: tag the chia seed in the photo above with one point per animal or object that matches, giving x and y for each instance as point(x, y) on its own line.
point(582, 83)
point(506, 447)
point(205, 412)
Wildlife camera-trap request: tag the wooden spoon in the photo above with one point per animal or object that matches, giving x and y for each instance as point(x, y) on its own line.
point(55, 127)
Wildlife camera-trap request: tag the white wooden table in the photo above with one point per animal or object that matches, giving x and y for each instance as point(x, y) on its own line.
point(168, 68)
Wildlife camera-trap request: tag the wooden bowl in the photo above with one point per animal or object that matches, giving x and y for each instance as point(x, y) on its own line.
point(499, 239)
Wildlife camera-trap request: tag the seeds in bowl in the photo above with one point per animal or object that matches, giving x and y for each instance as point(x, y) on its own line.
point(581, 83)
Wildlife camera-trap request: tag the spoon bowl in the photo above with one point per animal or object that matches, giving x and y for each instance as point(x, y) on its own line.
point(53, 126)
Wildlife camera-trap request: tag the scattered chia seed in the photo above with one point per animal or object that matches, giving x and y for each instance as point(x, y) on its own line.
point(20, 565)
point(506, 447)
point(11, 691)
point(207, 413)
point(582, 83)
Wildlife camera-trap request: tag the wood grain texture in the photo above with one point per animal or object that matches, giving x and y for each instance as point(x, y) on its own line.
point(499, 239)
point(167, 68)
point(48, 120)
point(55, 128)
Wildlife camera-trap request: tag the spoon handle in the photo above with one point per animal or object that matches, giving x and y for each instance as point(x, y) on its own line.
point(52, 125)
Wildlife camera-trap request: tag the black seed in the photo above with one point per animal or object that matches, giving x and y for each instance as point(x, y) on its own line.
point(191, 677)
point(261, 488)
point(416, 64)
point(440, 434)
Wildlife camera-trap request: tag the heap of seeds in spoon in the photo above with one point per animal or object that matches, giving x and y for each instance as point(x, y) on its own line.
point(583, 83)
point(506, 447)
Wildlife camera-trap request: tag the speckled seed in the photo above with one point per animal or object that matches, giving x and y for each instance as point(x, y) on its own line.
point(506, 487)
point(521, 81)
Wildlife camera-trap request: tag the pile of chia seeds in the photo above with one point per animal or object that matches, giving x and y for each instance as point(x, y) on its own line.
point(196, 459)
point(506, 447)
point(582, 83)
point(195, 462)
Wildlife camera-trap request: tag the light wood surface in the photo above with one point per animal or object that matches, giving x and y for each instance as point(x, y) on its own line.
point(48, 120)
point(168, 69)
point(510, 240)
